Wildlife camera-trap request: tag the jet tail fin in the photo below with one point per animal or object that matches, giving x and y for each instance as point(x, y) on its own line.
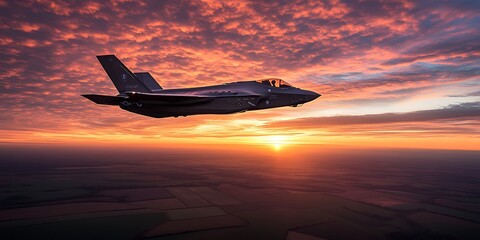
point(123, 79)
point(148, 80)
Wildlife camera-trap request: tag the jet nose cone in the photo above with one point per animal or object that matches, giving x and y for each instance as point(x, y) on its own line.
point(310, 96)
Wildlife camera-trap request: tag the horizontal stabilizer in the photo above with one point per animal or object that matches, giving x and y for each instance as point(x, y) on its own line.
point(148, 80)
point(102, 99)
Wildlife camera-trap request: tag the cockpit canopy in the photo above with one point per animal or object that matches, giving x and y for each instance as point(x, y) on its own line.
point(274, 82)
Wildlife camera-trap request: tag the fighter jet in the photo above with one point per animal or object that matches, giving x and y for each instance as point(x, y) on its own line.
point(140, 93)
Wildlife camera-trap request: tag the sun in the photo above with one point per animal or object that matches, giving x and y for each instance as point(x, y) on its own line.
point(277, 146)
point(277, 142)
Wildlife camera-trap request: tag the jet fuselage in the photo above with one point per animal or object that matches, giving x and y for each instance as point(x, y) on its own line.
point(141, 94)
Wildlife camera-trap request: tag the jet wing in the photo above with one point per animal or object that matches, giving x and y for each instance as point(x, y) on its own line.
point(167, 99)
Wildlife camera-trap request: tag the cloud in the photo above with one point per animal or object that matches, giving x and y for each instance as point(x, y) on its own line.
point(355, 52)
point(469, 110)
point(471, 94)
point(445, 48)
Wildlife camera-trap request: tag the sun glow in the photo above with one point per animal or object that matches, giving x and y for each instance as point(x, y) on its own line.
point(277, 142)
point(277, 147)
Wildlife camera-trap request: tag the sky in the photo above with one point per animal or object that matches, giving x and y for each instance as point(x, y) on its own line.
point(391, 73)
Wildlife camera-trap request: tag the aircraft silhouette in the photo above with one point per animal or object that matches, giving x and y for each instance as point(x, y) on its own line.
point(140, 93)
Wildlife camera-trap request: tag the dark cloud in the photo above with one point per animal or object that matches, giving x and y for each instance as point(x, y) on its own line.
point(454, 112)
point(471, 94)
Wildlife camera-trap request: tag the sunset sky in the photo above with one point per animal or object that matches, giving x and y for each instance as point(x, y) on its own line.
point(391, 73)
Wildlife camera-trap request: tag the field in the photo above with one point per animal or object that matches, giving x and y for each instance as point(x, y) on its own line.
point(162, 194)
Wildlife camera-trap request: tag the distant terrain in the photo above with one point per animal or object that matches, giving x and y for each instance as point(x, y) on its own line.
point(77, 193)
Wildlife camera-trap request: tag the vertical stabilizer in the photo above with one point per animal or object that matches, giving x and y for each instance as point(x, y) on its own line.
point(123, 79)
point(148, 80)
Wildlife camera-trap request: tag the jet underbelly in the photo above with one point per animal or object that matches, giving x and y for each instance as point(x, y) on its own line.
point(219, 105)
